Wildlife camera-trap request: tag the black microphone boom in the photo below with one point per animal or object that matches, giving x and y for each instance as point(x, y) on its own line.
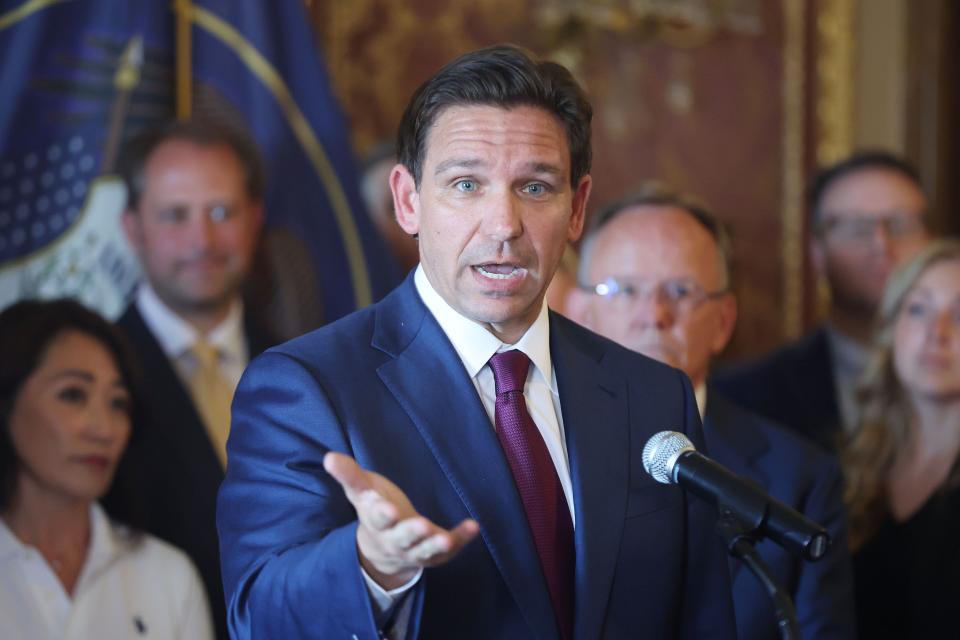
point(669, 457)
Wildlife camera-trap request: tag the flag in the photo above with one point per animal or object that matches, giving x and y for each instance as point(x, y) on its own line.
point(78, 76)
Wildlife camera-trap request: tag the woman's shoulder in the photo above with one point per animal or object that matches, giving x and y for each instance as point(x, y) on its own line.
point(151, 554)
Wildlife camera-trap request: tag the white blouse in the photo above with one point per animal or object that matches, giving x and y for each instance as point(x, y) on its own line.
point(130, 587)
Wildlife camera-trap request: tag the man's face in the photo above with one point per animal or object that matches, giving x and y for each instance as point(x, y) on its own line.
point(196, 227)
point(871, 222)
point(494, 211)
point(670, 305)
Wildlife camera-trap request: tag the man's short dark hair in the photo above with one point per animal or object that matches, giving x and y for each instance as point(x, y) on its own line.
point(854, 163)
point(136, 151)
point(657, 194)
point(502, 76)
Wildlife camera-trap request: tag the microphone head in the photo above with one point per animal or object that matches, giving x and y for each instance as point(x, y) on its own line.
point(661, 453)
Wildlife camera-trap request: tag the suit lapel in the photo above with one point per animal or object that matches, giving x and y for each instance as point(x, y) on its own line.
point(177, 421)
point(814, 386)
point(735, 441)
point(595, 421)
point(450, 418)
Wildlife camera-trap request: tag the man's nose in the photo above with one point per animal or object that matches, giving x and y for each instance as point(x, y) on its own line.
point(881, 240)
point(653, 312)
point(503, 216)
point(201, 230)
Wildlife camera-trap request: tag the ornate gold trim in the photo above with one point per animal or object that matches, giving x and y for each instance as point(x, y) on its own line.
point(835, 51)
point(791, 221)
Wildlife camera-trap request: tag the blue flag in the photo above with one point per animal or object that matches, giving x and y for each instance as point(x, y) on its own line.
point(78, 76)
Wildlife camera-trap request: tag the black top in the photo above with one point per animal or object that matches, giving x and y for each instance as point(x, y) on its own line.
point(908, 574)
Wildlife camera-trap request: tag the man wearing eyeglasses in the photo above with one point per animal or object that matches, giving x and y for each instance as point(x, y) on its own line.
point(868, 214)
point(654, 277)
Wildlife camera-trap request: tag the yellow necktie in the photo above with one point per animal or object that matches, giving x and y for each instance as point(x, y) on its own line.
point(212, 395)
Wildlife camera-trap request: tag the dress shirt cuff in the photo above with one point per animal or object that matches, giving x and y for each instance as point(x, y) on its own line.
point(381, 598)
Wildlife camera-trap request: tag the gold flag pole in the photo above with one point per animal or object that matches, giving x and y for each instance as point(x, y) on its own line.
point(184, 79)
point(125, 81)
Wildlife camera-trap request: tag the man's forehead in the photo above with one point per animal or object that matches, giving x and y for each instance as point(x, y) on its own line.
point(659, 236)
point(657, 224)
point(471, 134)
point(181, 151)
point(873, 188)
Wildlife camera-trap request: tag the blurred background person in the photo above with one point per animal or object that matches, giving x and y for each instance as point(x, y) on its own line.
point(193, 218)
point(656, 276)
point(868, 214)
point(67, 407)
point(375, 188)
point(903, 478)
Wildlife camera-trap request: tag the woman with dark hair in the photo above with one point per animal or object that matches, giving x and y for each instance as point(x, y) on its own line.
point(903, 464)
point(67, 408)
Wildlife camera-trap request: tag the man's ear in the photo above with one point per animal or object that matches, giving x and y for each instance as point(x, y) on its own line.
point(577, 217)
point(727, 319)
point(406, 200)
point(133, 229)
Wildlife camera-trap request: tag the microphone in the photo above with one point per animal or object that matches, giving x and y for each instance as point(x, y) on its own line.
point(669, 457)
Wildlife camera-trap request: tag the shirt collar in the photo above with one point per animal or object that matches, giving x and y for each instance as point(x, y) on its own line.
point(701, 393)
point(176, 336)
point(104, 546)
point(475, 344)
point(849, 356)
point(10, 545)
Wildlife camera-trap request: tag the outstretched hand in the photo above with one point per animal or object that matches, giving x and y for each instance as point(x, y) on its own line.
point(393, 539)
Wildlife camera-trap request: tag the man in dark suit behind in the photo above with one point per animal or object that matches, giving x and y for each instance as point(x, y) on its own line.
point(868, 214)
point(456, 461)
point(655, 279)
point(193, 217)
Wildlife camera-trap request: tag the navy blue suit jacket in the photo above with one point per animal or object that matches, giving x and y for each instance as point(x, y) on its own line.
point(386, 386)
point(807, 479)
point(793, 386)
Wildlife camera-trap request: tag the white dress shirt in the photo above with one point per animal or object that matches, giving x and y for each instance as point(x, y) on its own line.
point(176, 337)
point(129, 587)
point(476, 345)
point(848, 359)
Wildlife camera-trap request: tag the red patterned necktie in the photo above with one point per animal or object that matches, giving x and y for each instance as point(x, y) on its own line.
point(537, 482)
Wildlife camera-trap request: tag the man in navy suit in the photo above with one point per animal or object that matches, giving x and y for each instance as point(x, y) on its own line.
point(375, 486)
point(193, 217)
point(656, 280)
point(868, 214)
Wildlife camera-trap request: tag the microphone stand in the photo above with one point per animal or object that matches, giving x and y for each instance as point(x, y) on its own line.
point(740, 538)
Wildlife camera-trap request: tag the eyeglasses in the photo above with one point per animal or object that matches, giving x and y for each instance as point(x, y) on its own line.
point(680, 295)
point(850, 227)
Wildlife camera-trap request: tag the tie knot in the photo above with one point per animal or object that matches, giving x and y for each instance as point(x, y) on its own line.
point(509, 370)
point(206, 354)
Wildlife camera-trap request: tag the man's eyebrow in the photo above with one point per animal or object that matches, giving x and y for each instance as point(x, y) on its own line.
point(458, 163)
point(545, 167)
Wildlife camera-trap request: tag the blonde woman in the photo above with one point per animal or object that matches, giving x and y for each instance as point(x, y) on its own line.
point(903, 477)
